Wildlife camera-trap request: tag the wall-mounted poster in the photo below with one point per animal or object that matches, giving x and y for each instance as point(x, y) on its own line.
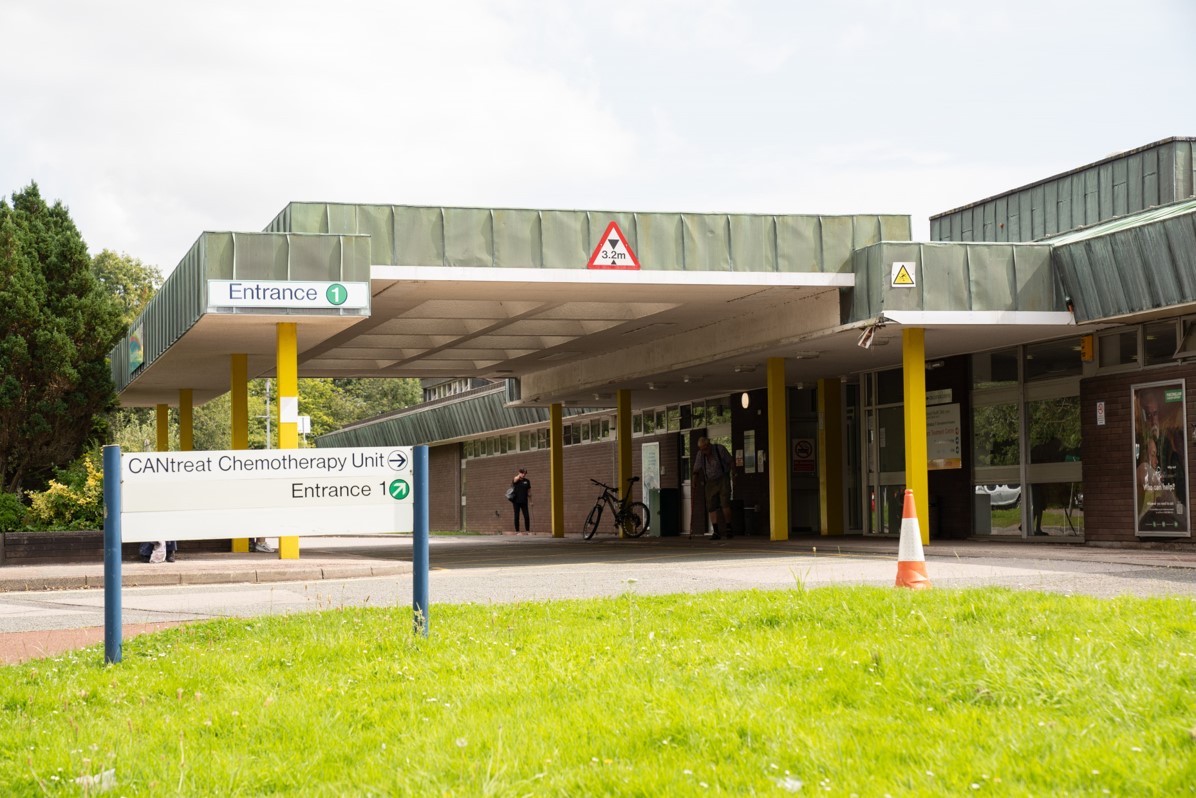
point(944, 442)
point(1161, 460)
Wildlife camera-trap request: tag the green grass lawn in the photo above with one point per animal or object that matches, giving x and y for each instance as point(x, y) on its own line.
point(836, 691)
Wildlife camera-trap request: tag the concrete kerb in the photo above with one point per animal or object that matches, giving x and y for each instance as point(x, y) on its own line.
point(356, 558)
point(34, 578)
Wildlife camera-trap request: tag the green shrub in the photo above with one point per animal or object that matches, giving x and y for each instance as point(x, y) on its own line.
point(74, 500)
point(12, 513)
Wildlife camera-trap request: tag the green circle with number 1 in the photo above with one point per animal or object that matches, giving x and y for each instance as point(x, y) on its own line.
point(337, 294)
point(399, 489)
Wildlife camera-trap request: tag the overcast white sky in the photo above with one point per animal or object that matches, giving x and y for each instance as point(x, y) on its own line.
point(154, 121)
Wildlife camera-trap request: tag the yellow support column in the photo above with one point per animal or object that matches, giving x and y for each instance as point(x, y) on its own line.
point(239, 396)
point(623, 439)
point(162, 416)
point(778, 450)
point(913, 367)
point(287, 368)
point(623, 436)
point(556, 468)
point(186, 420)
point(830, 456)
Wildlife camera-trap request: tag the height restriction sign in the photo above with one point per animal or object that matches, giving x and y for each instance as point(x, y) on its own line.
point(612, 251)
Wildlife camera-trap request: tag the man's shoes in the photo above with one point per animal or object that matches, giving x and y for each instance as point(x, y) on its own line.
point(265, 548)
point(716, 536)
point(143, 557)
point(170, 556)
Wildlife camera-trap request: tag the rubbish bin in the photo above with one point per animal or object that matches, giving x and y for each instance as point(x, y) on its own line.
point(749, 520)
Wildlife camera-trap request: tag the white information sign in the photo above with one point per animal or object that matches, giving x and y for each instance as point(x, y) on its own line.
point(290, 294)
point(271, 492)
point(944, 439)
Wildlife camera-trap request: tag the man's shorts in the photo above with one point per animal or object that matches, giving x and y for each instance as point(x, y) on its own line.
point(718, 493)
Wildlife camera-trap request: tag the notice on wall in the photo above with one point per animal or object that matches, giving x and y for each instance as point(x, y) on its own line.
point(944, 439)
point(749, 451)
point(1160, 460)
point(650, 466)
point(803, 456)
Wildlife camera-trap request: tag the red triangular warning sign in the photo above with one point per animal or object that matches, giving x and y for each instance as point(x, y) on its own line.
point(613, 251)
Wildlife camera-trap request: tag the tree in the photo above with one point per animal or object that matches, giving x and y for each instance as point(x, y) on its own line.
point(56, 328)
point(128, 281)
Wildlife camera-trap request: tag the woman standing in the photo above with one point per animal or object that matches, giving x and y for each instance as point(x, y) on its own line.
point(523, 487)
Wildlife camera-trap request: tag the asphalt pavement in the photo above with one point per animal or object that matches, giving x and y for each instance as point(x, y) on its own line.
point(46, 609)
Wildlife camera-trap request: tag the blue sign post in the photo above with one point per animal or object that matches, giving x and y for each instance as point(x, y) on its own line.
point(419, 544)
point(112, 628)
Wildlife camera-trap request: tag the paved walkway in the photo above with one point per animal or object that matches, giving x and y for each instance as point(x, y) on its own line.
point(352, 558)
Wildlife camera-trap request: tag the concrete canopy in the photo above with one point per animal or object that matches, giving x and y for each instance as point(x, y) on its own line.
point(506, 294)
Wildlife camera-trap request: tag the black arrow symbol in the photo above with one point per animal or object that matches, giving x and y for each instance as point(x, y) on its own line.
point(614, 242)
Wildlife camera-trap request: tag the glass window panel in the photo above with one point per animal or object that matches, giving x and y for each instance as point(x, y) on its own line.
point(1054, 426)
point(994, 434)
point(673, 423)
point(686, 417)
point(637, 424)
point(525, 441)
point(543, 437)
point(892, 438)
point(605, 428)
point(1119, 348)
point(719, 413)
point(1057, 508)
point(993, 369)
point(997, 509)
point(585, 430)
point(698, 412)
point(649, 423)
point(887, 508)
point(1053, 359)
point(1160, 343)
point(889, 388)
point(661, 421)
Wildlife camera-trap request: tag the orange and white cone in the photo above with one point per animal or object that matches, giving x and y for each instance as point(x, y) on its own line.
point(911, 561)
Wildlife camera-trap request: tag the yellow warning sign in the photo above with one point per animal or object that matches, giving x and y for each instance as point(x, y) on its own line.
point(903, 274)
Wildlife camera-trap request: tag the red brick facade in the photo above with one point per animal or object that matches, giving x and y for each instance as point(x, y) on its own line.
point(485, 481)
point(1108, 451)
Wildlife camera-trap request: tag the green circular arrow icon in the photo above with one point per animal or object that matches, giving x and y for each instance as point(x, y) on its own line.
point(399, 489)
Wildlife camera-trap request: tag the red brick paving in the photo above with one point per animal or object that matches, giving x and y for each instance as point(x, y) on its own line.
point(22, 646)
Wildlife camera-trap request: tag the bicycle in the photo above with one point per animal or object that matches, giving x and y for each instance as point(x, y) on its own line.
point(631, 517)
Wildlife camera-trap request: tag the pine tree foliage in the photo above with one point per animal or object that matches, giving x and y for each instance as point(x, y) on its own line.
point(57, 326)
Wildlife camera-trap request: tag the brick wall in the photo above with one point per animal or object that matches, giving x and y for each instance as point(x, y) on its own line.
point(1107, 451)
point(486, 479)
point(444, 488)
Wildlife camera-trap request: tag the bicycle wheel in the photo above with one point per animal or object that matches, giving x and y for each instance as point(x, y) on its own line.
point(636, 520)
point(592, 521)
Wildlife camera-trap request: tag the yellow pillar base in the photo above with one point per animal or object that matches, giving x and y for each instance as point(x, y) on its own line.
point(240, 545)
point(288, 548)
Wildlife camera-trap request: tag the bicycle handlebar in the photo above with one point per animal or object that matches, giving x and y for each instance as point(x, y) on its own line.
point(630, 482)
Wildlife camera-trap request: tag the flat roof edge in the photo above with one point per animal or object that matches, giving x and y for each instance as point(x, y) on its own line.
point(629, 277)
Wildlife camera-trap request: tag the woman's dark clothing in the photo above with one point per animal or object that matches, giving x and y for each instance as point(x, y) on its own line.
point(523, 487)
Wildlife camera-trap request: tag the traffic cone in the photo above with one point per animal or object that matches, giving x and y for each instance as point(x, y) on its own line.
point(911, 562)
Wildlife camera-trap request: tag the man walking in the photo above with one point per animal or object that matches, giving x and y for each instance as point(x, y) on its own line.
point(712, 468)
